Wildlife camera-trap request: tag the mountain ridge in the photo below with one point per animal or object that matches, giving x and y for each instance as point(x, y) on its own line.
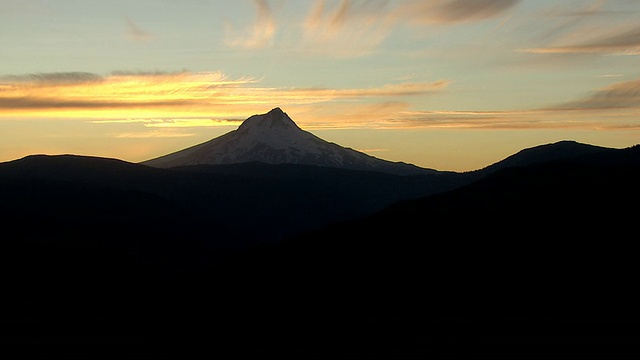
point(225, 197)
point(229, 195)
point(563, 149)
point(531, 256)
point(538, 254)
point(274, 138)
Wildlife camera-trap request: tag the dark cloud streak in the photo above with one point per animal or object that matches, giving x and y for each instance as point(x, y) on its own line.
point(617, 96)
point(457, 11)
point(627, 42)
point(135, 33)
point(38, 103)
point(464, 10)
point(56, 78)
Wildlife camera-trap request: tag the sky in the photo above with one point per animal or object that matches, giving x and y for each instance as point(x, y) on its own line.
point(452, 85)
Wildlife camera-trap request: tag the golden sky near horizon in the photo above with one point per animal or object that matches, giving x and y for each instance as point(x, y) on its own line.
point(446, 84)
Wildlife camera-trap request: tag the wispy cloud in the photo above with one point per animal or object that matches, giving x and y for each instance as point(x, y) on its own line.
point(598, 27)
point(617, 96)
point(60, 78)
point(537, 119)
point(153, 134)
point(172, 122)
point(181, 99)
point(389, 90)
point(350, 28)
point(121, 94)
point(623, 43)
point(615, 107)
point(355, 28)
point(259, 35)
point(156, 100)
point(184, 123)
point(135, 33)
point(455, 11)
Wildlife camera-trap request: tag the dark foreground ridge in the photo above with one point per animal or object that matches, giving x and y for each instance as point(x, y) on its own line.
point(534, 260)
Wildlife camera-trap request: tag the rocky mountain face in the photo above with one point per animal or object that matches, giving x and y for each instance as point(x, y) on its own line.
point(273, 138)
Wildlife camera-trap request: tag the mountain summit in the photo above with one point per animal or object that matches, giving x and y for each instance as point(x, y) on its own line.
point(274, 138)
point(274, 119)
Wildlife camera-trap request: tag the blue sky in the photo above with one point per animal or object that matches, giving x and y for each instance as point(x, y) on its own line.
point(446, 84)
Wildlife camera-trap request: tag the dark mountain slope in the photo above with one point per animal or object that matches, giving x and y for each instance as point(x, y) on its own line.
point(227, 206)
point(534, 261)
point(547, 152)
point(529, 262)
point(544, 212)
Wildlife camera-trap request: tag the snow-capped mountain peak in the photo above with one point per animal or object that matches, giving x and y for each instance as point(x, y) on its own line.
point(274, 129)
point(276, 118)
point(274, 138)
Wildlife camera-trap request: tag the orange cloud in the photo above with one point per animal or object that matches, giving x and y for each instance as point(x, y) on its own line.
point(164, 101)
point(577, 119)
point(182, 99)
point(153, 134)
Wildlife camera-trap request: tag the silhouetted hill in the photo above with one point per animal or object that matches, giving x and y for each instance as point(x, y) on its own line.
point(226, 207)
point(530, 261)
point(91, 243)
point(547, 152)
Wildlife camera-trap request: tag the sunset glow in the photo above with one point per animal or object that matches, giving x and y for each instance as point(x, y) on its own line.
point(135, 80)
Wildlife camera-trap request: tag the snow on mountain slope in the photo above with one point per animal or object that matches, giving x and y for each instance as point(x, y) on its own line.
point(274, 138)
